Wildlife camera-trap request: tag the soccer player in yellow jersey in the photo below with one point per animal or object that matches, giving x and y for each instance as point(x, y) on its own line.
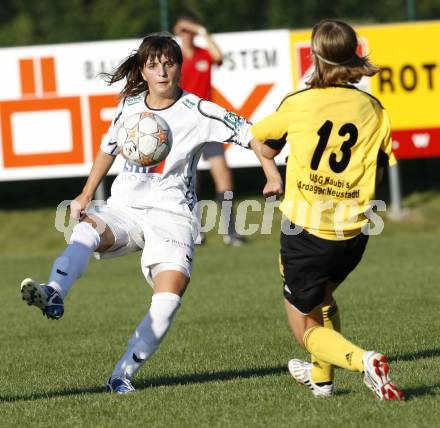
point(339, 139)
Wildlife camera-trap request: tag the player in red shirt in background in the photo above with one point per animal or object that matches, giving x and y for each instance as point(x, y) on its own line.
point(196, 78)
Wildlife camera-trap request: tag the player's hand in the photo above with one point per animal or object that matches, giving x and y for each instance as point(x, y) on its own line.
point(274, 187)
point(78, 206)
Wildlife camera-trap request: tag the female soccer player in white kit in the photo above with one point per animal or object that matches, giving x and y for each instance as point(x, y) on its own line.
point(150, 209)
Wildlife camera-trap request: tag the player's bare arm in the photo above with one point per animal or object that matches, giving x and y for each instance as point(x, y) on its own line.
point(274, 185)
point(99, 170)
point(269, 152)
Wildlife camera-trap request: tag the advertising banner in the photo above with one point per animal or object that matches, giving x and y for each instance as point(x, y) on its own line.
point(253, 79)
point(408, 84)
point(55, 109)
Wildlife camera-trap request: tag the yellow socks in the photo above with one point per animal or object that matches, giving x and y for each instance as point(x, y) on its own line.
point(323, 371)
point(330, 346)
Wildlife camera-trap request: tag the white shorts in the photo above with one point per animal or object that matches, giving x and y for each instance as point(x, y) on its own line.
point(163, 237)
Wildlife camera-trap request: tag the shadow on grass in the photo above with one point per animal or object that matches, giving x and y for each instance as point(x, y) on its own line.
point(421, 391)
point(156, 382)
point(418, 355)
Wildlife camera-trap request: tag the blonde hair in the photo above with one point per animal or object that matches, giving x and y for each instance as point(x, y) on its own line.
point(334, 45)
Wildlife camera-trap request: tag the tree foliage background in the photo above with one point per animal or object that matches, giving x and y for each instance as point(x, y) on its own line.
point(28, 22)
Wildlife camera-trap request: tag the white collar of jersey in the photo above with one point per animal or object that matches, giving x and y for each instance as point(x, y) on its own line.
point(159, 109)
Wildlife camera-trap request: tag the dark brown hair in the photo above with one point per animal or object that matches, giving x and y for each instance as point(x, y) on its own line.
point(334, 45)
point(152, 47)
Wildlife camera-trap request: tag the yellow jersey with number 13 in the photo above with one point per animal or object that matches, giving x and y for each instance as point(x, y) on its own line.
point(336, 136)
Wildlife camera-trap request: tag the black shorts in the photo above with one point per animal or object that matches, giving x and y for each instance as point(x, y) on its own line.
point(308, 263)
point(211, 150)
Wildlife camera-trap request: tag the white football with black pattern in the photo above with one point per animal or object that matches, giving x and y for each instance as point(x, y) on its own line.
point(145, 139)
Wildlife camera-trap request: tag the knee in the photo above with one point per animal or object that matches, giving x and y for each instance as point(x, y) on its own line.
point(162, 311)
point(104, 237)
point(164, 305)
point(84, 233)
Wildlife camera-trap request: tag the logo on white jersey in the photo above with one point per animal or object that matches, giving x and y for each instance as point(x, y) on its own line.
point(232, 119)
point(188, 103)
point(134, 100)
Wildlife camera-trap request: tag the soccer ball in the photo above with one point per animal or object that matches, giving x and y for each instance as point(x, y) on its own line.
point(144, 139)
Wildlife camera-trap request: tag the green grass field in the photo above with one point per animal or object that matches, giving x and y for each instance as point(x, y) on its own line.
point(223, 363)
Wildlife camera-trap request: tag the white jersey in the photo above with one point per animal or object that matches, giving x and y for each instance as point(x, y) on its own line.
point(193, 123)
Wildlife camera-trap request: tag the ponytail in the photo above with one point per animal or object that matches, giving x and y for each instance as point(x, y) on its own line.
point(130, 69)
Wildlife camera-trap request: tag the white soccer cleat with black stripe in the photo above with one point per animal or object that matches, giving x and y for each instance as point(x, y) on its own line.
point(301, 371)
point(376, 377)
point(44, 297)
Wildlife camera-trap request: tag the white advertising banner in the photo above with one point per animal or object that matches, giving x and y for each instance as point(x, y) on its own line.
point(255, 76)
point(54, 110)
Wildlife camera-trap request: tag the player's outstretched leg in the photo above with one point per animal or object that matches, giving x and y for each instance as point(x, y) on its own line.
point(330, 346)
point(73, 262)
point(301, 371)
point(144, 341)
point(46, 298)
point(65, 270)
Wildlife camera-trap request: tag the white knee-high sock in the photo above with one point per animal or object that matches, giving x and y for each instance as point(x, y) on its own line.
point(148, 334)
point(73, 262)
